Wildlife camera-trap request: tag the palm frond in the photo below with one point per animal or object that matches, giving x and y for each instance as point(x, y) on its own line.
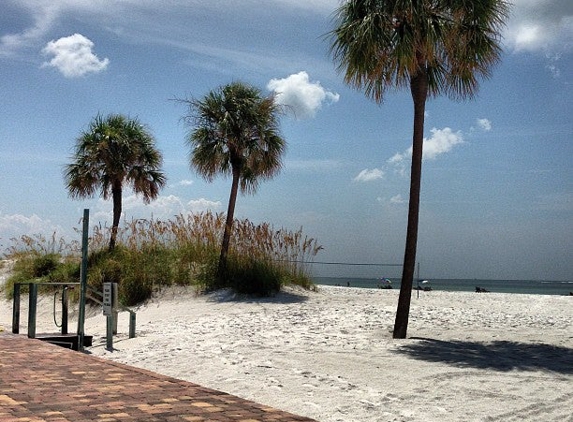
point(235, 127)
point(115, 150)
point(381, 44)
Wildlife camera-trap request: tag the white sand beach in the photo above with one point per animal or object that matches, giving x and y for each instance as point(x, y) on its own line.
point(329, 354)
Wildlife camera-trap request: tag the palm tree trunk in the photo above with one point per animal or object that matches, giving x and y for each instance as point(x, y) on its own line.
point(222, 269)
point(116, 195)
point(419, 89)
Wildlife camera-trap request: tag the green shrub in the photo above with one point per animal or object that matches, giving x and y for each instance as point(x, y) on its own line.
point(65, 272)
point(43, 265)
point(34, 267)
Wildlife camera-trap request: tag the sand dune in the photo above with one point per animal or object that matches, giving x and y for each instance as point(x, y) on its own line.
point(329, 354)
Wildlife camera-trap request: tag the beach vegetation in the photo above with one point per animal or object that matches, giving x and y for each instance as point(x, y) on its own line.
point(432, 47)
point(153, 254)
point(234, 132)
point(113, 152)
point(40, 267)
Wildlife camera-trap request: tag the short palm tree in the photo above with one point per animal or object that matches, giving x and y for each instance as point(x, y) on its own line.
point(433, 47)
point(113, 152)
point(235, 132)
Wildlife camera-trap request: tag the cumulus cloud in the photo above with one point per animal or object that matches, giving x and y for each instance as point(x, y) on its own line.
point(367, 175)
point(202, 204)
point(441, 142)
point(301, 96)
point(73, 56)
point(540, 25)
point(185, 182)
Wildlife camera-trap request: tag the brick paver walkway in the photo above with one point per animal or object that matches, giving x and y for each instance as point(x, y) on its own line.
point(42, 382)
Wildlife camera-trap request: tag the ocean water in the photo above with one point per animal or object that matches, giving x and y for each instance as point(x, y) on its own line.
point(469, 285)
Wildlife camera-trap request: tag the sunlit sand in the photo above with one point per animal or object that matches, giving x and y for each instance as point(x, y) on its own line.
point(329, 354)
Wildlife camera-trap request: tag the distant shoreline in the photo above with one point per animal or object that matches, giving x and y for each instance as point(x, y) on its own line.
point(467, 285)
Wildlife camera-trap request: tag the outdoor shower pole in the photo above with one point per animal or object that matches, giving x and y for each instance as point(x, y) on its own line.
point(83, 279)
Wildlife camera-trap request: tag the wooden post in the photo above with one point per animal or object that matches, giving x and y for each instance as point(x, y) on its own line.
point(16, 310)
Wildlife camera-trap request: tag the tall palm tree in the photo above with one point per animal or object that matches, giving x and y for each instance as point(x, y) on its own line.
point(236, 133)
point(434, 47)
point(113, 152)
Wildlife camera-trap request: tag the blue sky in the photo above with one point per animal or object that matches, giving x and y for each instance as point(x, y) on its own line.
point(497, 188)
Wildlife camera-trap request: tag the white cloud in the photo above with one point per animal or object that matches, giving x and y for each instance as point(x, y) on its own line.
point(397, 199)
point(367, 175)
point(147, 19)
point(553, 65)
point(185, 183)
point(537, 25)
point(17, 225)
point(162, 208)
point(534, 25)
point(202, 204)
point(43, 16)
point(400, 156)
point(73, 56)
point(302, 97)
point(441, 142)
point(484, 124)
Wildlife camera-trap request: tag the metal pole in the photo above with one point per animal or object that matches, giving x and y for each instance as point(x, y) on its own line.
point(32, 302)
point(114, 307)
point(16, 310)
point(418, 297)
point(109, 332)
point(83, 279)
point(65, 310)
point(131, 324)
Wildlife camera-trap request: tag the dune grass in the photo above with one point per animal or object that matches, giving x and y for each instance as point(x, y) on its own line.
point(152, 254)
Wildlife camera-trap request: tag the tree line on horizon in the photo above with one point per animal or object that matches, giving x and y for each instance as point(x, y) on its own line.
point(431, 47)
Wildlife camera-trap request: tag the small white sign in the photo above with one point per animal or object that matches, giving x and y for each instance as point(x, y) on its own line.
point(107, 298)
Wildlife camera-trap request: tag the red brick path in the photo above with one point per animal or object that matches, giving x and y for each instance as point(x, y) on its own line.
point(42, 382)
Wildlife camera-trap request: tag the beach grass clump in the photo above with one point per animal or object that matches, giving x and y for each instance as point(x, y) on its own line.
point(152, 254)
point(254, 277)
point(41, 268)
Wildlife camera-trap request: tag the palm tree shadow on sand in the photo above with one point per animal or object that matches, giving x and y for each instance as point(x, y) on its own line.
point(497, 355)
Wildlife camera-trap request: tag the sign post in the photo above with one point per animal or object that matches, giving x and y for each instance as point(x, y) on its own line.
point(107, 298)
point(83, 279)
point(109, 310)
